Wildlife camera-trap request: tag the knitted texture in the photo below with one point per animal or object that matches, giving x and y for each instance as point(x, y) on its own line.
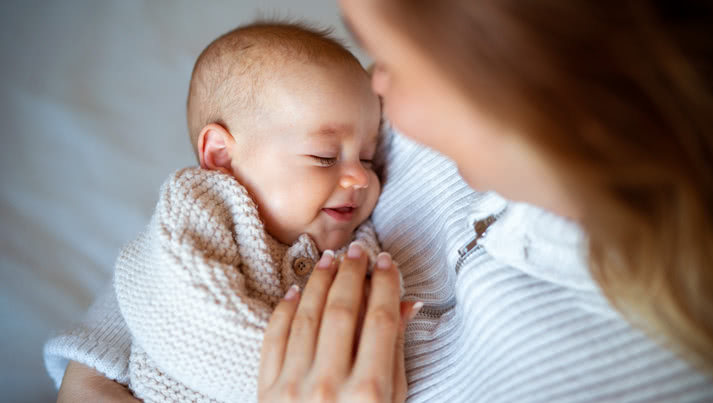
point(197, 289)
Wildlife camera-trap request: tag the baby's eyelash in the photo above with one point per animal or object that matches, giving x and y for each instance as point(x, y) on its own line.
point(328, 162)
point(368, 163)
point(325, 162)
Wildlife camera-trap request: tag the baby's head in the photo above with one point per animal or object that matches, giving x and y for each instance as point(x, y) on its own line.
point(290, 113)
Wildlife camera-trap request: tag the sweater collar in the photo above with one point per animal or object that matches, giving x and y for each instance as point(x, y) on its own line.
point(535, 241)
point(299, 260)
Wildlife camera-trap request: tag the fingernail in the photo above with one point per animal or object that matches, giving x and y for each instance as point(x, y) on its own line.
point(383, 261)
point(326, 260)
point(292, 292)
point(354, 251)
point(415, 309)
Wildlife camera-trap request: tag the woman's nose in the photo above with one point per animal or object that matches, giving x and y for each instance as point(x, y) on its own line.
point(355, 176)
point(379, 80)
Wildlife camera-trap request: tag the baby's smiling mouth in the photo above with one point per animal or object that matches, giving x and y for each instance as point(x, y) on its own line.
point(344, 213)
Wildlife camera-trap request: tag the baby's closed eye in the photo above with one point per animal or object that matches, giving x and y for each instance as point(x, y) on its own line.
point(368, 163)
point(324, 161)
point(330, 161)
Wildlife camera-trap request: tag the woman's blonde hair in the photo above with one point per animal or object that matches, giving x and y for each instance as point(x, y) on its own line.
point(619, 94)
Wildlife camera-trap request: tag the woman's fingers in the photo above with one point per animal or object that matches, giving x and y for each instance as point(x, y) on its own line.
point(314, 331)
point(375, 357)
point(275, 339)
point(305, 324)
point(339, 319)
point(408, 311)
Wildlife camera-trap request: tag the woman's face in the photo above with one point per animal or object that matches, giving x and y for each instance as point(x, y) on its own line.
point(423, 104)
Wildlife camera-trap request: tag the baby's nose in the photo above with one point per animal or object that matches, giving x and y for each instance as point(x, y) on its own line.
point(355, 177)
point(353, 182)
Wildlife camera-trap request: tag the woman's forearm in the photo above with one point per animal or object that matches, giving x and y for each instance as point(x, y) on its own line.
point(82, 384)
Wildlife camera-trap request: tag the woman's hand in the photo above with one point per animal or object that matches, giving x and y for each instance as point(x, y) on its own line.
point(308, 351)
point(82, 384)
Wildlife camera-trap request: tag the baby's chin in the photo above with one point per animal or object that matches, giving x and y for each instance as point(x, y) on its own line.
point(333, 240)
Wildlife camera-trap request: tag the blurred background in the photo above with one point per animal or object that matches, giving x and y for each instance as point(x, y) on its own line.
point(93, 120)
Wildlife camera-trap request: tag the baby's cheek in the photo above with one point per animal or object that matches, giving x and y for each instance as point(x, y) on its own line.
point(294, 207)
point(372, 196)
point(286, 217)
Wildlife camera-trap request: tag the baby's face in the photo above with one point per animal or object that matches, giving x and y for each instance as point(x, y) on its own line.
point(307, 162)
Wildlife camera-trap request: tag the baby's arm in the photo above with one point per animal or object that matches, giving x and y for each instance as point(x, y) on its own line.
point(82, 384)
point(101, 342)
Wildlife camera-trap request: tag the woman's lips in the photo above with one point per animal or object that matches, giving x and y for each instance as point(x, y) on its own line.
point(341, 213)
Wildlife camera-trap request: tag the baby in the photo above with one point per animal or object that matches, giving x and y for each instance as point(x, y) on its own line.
point(285, 126)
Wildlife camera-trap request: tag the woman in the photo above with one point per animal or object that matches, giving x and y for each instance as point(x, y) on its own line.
point(600, 112)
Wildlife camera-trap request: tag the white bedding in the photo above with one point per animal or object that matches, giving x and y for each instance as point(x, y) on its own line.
point(93, 120)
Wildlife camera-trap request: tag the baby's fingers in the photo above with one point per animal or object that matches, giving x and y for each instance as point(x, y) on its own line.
point(275, 340)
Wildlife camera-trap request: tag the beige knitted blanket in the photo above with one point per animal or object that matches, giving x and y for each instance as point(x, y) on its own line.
point(198, 286)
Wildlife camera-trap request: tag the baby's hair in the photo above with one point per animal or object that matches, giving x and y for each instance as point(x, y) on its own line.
point(230, 73)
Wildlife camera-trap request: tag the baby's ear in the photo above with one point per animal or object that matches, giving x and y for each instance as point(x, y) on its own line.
point(215, 144)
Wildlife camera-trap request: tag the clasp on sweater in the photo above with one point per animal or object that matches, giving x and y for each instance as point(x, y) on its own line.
point(481, 228)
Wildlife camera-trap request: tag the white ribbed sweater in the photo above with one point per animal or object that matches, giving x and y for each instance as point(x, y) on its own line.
point(516, 318)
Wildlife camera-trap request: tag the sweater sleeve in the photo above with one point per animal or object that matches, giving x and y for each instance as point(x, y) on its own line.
point(101, 341)
point(195, 308)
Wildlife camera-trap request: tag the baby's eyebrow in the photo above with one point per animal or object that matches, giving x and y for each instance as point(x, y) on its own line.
point(334, 129)
point(338, 130)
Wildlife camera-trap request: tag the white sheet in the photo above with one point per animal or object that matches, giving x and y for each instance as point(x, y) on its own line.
point(93, 120)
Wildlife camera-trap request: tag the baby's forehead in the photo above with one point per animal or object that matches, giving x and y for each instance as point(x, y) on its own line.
point(330, 129)
point(270, 65)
